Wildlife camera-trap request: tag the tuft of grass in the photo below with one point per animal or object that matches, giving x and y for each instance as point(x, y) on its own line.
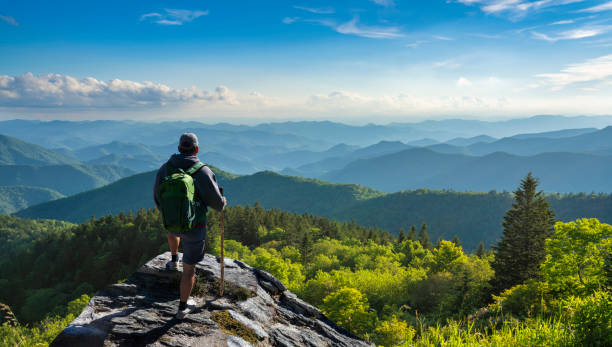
point(233, 327)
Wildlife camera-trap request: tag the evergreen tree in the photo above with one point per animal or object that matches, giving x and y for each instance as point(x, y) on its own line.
point(412, 234)
point(424, 237)
point(456, 241)
point(401, 236)
point(521, 250)
point(480, 251)
point(439, 241)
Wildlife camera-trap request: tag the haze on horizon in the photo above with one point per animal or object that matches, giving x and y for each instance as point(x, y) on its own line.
point(361, 61)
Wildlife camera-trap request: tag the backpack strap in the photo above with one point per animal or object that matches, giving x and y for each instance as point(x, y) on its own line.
point(194, 168)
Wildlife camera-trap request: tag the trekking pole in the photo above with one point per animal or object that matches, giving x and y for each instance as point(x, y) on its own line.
point(222, 284)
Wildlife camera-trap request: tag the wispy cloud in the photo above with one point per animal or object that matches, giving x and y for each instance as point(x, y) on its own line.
point(324, 10)
point(53, 90)
point(589, 71)
point(574, 34)
point(353, 27)
point(442, 38)
point(174, 16)
point(289, 20)
point(449, 64)
point(9, 20)
point(599, 8)
point(516, 7)
point(416, 44)
point(563, 22)
point(385, 3)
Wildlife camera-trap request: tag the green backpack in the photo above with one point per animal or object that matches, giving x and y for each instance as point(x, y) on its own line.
point(176, 199)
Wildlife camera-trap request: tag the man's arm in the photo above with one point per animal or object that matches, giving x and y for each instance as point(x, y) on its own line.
point(208, 189)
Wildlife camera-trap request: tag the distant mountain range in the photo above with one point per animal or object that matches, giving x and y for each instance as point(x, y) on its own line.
point(425, 168)
point(17, 152)
point(66, 179)
point(471, 216)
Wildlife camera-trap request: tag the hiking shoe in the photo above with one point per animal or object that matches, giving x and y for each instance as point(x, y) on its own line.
point(180, 314)
point(172, 266)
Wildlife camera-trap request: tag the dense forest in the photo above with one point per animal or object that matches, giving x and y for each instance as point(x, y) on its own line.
point(390, 290)
point(474, 217)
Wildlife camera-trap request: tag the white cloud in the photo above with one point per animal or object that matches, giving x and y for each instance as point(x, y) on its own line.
point(9, 20)
point(463, 82)
point(449, 64)
point(416, 43)
point(353, 27)
point(599, 8)
point(515, 7)
point(385, 3)
point(442, 38)
point(563, 22)
point(326, 10)
point(53, 90)
point(174, 16)
point(574, 34)
point(289, 20)
point(589, 71)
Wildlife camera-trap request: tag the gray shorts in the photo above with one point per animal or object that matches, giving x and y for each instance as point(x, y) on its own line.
point(193, 244)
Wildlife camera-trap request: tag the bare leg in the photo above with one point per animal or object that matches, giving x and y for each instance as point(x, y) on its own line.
point(173, 243)
point(187, 280)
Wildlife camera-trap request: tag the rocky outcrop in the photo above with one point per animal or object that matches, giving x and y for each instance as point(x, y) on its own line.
point(256, 309)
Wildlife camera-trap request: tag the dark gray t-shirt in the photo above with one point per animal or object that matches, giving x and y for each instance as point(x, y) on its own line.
point(207, 190)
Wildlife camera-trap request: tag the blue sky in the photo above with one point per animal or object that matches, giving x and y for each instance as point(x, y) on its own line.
point(354, 61)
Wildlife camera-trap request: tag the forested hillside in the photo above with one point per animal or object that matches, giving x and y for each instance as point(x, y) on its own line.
point(15, 198)
point(387, 290)
point(473, 217)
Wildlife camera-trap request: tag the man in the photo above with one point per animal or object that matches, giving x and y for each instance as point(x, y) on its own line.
point(207, 194)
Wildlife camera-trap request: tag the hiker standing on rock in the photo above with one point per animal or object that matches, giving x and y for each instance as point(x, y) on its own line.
point(184, 187)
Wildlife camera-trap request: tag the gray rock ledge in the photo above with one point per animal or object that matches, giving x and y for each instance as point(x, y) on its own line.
point(140, 312)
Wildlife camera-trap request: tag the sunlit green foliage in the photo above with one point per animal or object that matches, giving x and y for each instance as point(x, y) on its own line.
point(349, 308)
point(575, 257)
point(390, 292)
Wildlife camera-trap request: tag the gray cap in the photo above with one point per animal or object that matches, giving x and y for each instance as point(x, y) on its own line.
point(188, 142)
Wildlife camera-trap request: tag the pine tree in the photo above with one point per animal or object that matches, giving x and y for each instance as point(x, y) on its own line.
point(424, 237)
point(456, 241)
point(401, 236)
point(439, 241)
point(412, 234)
point(521, 250)
point(480, 251)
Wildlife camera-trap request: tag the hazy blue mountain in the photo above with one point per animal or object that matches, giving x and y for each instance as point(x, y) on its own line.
point(314, 136)
point(16, 152)
point(115, 147)
point(137, 163)
point(450, 149)
point(596, 142)
point(425, 168)
point(422, 142)
point(15, 198)
point(463, 141)
point(66, 179)
point(556, 134)
point(321, 167)
point(77, 135)
point(302, 157)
